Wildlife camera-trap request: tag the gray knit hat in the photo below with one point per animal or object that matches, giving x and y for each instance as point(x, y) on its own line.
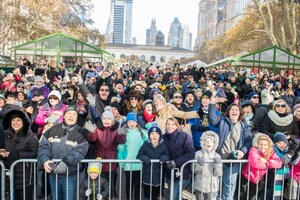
point(108, 113)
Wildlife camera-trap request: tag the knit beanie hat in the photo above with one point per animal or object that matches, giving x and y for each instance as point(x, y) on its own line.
point(55, 93)
point(148, 101)
point(38, 79)
point(279, 136)
point(251, 94)
point(131, 116)
point(154, 129)
point(70, 108)
point(95, 167)
point(296, 107)
point(207, 94)
point(108, 113)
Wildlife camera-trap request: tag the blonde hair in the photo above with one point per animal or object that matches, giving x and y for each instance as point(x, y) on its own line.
point(174, 120)
point(288, 109)
point(270, 148)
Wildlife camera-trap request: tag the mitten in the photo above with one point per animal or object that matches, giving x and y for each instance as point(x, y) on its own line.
point(90, 126)
point(91, 99)
point(88, 192)
point(122, 130)
point(99, 197)
point(61, 168)
point(201, 161)
point(171, 164)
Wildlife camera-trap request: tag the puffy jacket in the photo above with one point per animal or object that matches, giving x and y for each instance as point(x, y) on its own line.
point(148, 152)
point(63, 142)
point(107, 140)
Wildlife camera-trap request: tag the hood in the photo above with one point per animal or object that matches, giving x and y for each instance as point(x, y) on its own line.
point(258, 135)
point(247, 103)
point(7, 120)
point(209, 134)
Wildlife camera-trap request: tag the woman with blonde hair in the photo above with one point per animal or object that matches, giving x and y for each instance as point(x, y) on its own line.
point(280, 119)
point(164, 110)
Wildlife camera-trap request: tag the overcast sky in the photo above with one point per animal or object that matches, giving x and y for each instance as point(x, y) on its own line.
point(144, 10)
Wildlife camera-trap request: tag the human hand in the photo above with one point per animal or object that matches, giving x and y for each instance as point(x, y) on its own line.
point(53, 119)
point(201, 161)
point(99, 196)
point(240, 154)
point(171, 164)
point(91, 99)
point(218, 160)
point(47, 168)
point(88, 192)
point(90, 126)
point(61, 168)
point(122, 130)
point(263, 160)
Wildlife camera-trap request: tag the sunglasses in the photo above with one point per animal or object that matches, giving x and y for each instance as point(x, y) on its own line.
point(133, 98)
point(177, 97)
point(53, 97)
point(104, 90)
point(280, 106)
point(255, 97)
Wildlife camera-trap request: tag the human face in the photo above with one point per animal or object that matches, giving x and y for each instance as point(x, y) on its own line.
point(297, 114)
point(138, 88)
point(177, 98)
point(154, 137)
point(205, 101)
point(171, 126)
point(93, 175)
point(80, 97)
point(263, 145)
point(255, 99)
point(53, 100)
point(10, 100)
point(234, 113)
point(104, 92)
point(208, 144)
point(133, 101)
point(247, 109)
point(21, 96)
point(70, 117)
point(131, 124)
point(190, 98)
point(148, 108)
point(115, 111)
point(281, 145)
point(107, 122)
point(2, 102)
point(158, 104)
point(280, 108)
point(119, 88)
point(39, 83)
point(16, 123)
point(20, 89)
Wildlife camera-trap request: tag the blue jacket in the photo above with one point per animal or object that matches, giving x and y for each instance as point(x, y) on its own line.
point(224, 126)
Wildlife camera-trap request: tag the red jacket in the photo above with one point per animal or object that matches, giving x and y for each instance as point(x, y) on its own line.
point(107, 140)
point(257, 167)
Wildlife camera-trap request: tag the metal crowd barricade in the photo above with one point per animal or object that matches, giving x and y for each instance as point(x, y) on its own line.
point(81, 176)
point(281, 186)
point(2, 183)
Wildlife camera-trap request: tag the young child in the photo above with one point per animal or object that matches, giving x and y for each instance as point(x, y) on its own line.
point(154, 148)
point(135, 138)
point(94, 187)
point(207, 174)
point(261, 158)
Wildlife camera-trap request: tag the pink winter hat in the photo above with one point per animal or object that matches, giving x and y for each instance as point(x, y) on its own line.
point(296, 107)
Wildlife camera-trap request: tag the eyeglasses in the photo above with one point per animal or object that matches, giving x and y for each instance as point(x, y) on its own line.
point(133, 98)
point(280, 105)
point(255, 97)
point(177, 97)
point(104, 90)
point(53, 97)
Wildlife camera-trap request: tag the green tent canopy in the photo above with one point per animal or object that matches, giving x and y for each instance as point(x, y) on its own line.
point(272, 58)
point(61, 46)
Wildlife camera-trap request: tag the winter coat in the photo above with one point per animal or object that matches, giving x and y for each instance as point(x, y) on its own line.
point(295, 172)
point(148, 152)
point(134, 140)
point(107, 140)
point(181, 149)
point(271, 125)
point(63, 142)
point(24, 145)
point(255, 169)
point(93, 185)
point(224, 127)
point(259, 116)
point(207, 176)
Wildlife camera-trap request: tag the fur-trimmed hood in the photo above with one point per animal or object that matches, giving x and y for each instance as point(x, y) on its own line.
point(7, 120)
point(258, 135)
point(209, 134)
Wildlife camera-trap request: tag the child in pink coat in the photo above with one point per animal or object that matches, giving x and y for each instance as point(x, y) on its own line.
point(261, 158)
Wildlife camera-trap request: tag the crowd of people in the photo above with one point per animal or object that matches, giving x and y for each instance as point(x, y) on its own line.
point(171, 113)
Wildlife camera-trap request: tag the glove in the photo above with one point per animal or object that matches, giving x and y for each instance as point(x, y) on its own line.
point(292, 147)
point(61, 168)
point(201, 161)
point(99, 196)
point(90, 126)
point(147, 162)
point(53, 119)
point(218, 160)
point(91, 99)
point(88, 192)
point(171, 164)
point(122, 130)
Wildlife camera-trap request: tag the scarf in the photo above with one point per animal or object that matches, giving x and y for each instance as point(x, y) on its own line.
point(148, 117)
point(280, 121)
point(248, 119)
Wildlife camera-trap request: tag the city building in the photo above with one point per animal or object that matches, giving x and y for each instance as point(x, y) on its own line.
point(175, 38)
point(186, 38)
point(159, 39)
point(235, 10)
point(151, 33)
point(119, 27)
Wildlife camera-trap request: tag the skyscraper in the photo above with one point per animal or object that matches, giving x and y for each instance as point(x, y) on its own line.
point(235, 9)
point(186, 38)
point(159, 39)
point(119, 28)
point(175, 34)
point(151, 33)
